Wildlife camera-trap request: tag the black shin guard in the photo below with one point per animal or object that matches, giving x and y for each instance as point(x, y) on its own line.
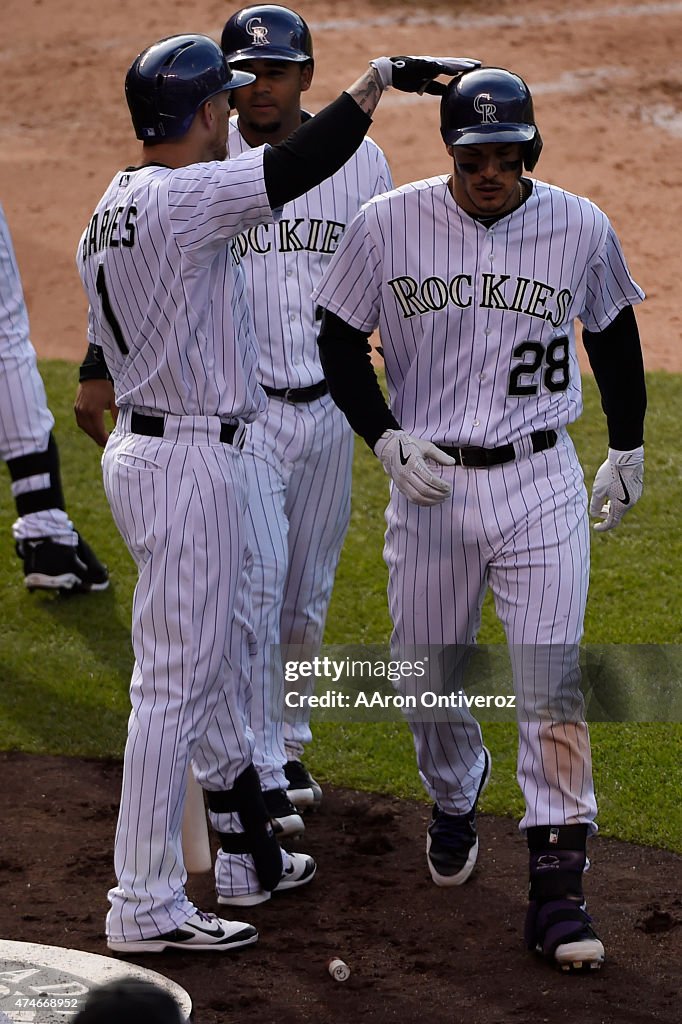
point(258, 839)
point(38, 464)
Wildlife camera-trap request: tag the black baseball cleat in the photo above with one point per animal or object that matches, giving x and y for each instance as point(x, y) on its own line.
point(452, 840)
point(49, 565)
point(561, 931)
point(286, 821)
point(200, 933)
point(303, 791)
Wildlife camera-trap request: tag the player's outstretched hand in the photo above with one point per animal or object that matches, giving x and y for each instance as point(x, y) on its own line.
point(417, 74)
point(404, 459)
point(617, 486)
point(93, 399)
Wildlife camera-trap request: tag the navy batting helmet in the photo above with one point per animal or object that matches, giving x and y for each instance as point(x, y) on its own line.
point(490, 105)
point(131, 999)
point(168, 82)
point(266, 31)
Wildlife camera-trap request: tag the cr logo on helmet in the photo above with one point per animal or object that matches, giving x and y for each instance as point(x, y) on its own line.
point(484, 106)
point(257, 31)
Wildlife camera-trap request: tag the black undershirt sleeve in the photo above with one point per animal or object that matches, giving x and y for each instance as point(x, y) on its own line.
point(94, 365)
point(315, 151)
point(615, 355)
point(345, 354)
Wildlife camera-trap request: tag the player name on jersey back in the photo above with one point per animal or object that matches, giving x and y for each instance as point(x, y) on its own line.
point(108, 228)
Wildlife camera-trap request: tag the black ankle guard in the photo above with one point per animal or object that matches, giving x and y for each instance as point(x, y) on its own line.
point(35, 464)
point(258, 839)
point(556, 837)
point(557, 861)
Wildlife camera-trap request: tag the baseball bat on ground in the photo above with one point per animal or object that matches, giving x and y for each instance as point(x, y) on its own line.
point(196, 849)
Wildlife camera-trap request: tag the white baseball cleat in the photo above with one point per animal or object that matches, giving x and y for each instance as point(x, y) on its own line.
point(299, 869)
point(199, 933)
point(585, 954)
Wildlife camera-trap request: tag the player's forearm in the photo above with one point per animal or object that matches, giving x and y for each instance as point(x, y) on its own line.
point(615, 355)
point(345, 354)
point(95, 395)
point(367, 91)
point(314, 151)
point(322, 145)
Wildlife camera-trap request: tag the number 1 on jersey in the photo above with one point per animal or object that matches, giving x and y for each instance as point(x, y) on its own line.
point(109, 314)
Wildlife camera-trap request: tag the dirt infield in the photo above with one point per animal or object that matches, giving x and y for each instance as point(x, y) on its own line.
point(607, 81)
point(417, 953)
point(606, 77)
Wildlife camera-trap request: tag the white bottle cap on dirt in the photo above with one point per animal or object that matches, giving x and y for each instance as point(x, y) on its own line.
point(339, 970)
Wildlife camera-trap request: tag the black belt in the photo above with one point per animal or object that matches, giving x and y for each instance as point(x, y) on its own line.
point(298, 394)
point(152, 426)
point(480, 458)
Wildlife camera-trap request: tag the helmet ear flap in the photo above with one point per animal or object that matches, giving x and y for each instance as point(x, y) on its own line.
point(532, 150)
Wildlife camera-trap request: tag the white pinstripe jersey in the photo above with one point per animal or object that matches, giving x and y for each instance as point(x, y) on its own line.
point(476, 323)
point(163, 282)
point(283, 261)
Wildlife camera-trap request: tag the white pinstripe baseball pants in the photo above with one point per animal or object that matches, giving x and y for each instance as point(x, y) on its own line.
point(298, 459)
point(179, 502)
point(522, 529)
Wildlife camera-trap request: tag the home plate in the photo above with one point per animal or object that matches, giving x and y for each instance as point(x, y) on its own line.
point(48, 984)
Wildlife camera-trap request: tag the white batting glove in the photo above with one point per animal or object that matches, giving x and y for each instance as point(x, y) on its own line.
point(617, 486)
point(416, 74)
point(403, 458)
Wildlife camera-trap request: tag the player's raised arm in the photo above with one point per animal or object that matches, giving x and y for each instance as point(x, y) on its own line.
point(324, 143)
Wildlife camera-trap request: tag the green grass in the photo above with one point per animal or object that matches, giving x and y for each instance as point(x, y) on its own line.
point(65, 662)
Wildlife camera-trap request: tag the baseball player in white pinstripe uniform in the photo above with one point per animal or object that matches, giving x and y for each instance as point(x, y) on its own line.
point(54, 554)
point(474, 280)
point(298, 453)
point(159, 261)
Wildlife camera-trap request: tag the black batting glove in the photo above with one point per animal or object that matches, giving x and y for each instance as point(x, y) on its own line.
point(417, 74)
